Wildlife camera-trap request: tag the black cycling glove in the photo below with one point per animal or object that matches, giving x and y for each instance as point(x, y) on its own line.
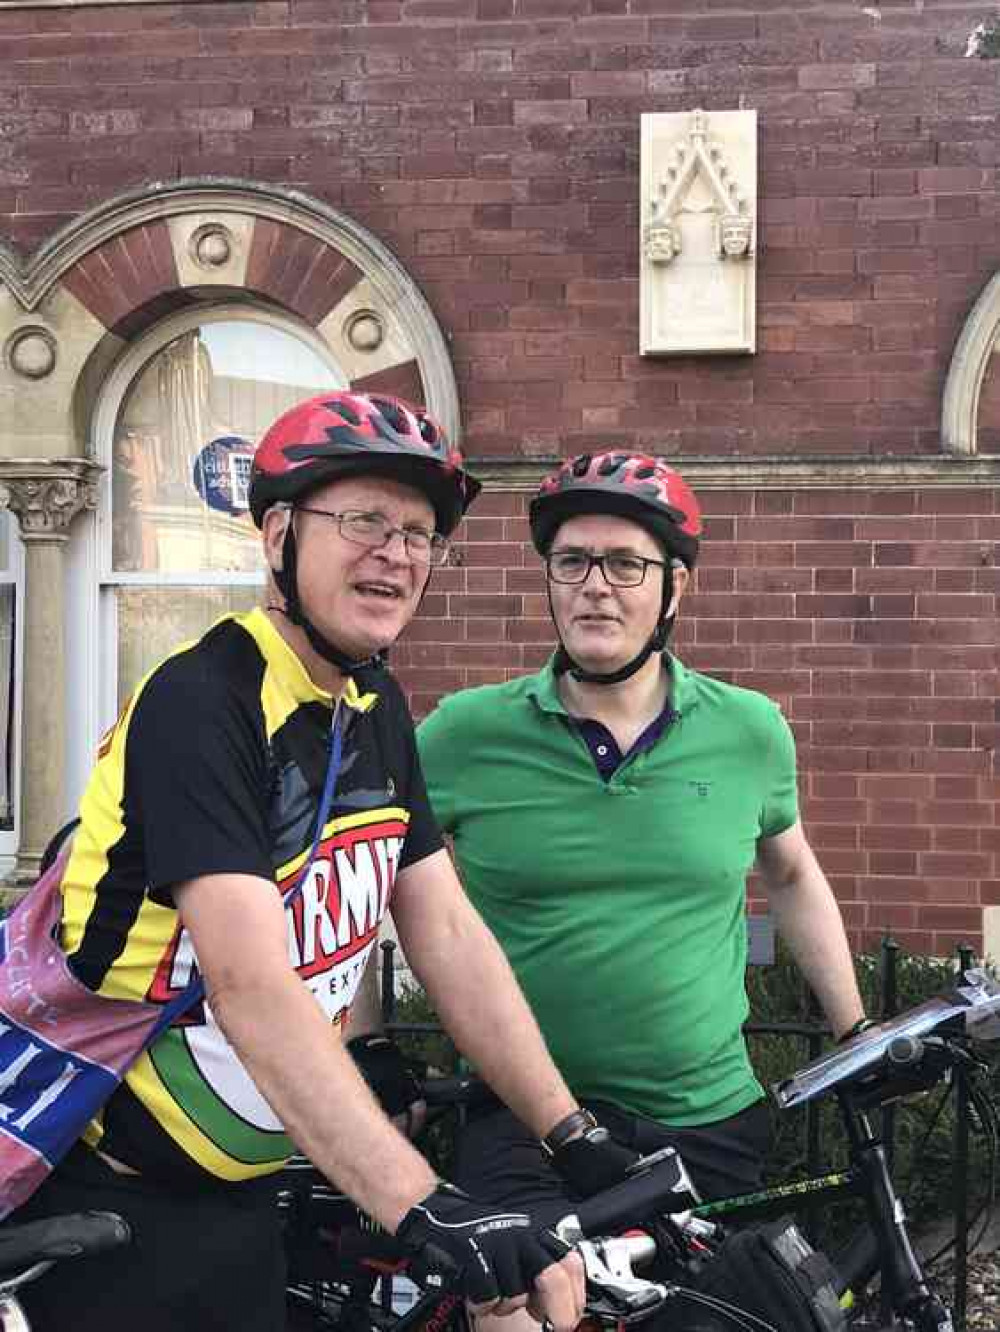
point(381, 1064)
point(494, 1252)
point(593, 1162)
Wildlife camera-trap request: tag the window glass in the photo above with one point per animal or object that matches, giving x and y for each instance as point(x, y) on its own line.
point(8, 659)
point(988, 418)
point(184, 439)
point(155, 621)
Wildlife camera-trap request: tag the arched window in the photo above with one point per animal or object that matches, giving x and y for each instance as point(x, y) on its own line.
point(11, 657)
point(175, 429)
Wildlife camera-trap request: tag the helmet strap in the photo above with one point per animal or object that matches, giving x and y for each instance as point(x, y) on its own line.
point(287, 581)
point(656, 642)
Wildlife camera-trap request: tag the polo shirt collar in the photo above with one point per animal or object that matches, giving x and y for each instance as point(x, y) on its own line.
point(544, 690)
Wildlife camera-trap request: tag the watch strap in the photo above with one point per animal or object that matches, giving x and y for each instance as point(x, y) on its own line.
point(575, 1124)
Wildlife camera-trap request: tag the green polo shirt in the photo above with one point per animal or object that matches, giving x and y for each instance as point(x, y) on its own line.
point(620, 904)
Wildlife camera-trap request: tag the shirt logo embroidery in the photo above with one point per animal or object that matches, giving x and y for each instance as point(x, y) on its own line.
point(701, 789)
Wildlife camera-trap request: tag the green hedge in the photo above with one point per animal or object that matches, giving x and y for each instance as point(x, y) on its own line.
point(924, 1129)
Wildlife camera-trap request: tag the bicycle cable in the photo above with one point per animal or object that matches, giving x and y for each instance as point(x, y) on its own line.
point(739, 1318)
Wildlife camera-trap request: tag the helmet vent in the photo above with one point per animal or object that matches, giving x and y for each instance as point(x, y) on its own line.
point(345, 410)
point(392, 414)
point(581, 465)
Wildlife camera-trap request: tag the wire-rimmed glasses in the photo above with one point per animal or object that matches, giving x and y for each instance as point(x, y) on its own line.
point(373, 530)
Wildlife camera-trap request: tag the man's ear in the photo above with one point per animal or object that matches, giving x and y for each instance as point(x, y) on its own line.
point(272, 530)
point(680, 577)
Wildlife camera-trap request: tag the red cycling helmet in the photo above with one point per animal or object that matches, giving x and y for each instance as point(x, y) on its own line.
point(628, 485)
point(342, 434)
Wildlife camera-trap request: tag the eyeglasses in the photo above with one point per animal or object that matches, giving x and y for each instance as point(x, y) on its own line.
point(374, 531)
point(618, 569)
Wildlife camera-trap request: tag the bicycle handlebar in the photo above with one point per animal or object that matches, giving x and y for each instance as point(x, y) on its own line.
point(658, 1184)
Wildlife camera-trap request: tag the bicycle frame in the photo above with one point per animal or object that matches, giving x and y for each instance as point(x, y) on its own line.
point(867, 1177)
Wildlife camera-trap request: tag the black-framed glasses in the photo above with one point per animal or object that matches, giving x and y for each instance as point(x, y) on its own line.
point(619, 568)
point(373, 530)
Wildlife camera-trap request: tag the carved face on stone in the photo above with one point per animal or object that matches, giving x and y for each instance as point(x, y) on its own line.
point(663, 242)
point(734, 235)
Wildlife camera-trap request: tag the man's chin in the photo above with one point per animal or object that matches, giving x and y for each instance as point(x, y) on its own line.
point(600, 663)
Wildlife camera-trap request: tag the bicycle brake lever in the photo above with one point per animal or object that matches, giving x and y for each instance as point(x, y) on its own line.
point(614, 1293)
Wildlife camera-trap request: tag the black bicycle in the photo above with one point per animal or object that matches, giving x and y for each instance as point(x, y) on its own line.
point(345, 1273)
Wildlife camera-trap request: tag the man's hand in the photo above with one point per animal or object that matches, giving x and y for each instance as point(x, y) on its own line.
point(592, 1162)
point(500, 1257)
point(380, 1062)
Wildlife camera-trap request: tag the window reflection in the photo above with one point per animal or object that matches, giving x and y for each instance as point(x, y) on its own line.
point(7, 681)
point(155, 621)
point(184, 439)
point(988, 417)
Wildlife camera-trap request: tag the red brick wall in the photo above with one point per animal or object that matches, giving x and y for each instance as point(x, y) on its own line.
point(493, 145)
point(870, 616)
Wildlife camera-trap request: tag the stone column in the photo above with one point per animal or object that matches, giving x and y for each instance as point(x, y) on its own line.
point(45, 495)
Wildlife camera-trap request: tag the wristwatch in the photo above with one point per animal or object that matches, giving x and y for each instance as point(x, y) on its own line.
point(577, 1124)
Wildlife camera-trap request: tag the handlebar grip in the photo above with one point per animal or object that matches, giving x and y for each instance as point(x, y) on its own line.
point(634, 1201)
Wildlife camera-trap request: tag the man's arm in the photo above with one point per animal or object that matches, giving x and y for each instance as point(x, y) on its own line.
point(809, 920)
point(473, 990)
point(281, 1035)
point(237, 926)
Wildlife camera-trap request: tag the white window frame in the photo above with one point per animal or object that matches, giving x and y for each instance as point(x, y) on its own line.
point(13, 576)
point(92, 580)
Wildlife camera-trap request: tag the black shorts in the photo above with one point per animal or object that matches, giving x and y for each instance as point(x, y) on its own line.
point(501, 1160)
point(203, 1261)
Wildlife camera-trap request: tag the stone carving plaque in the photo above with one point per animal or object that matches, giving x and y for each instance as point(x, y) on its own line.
point(697, 257)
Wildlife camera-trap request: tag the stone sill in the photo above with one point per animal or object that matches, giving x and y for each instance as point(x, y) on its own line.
point(779, 473)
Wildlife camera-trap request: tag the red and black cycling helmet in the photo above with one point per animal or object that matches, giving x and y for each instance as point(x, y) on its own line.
point(627, 485)
point(341, 434)
point(636, 486)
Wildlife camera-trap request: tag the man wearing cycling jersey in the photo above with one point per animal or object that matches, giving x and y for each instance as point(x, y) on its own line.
point(606, 812)
point(202, 802)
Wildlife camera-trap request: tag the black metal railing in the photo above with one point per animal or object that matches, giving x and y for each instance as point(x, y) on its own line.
point(814, 1034)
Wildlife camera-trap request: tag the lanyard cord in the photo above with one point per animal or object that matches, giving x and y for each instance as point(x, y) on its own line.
point(326, 799)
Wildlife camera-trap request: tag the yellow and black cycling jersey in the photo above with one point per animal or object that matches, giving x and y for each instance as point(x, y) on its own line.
point(216, 766)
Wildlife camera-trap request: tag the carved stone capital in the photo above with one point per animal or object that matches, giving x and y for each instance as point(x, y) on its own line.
point(47, 494)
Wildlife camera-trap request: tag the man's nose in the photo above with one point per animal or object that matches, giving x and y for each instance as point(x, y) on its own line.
point(596, 582)
point(390, 550)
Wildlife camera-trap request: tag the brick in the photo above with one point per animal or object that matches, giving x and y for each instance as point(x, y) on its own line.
point(568, 111)
point(828, 75)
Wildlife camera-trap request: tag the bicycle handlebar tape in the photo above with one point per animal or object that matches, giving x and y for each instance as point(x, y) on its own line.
point(662, 1188)
point(489, 1252)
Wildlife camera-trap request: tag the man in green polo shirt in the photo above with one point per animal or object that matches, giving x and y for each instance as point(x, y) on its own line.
point(605, 814)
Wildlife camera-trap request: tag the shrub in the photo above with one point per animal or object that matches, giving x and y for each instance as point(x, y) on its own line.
point(923, 1128)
